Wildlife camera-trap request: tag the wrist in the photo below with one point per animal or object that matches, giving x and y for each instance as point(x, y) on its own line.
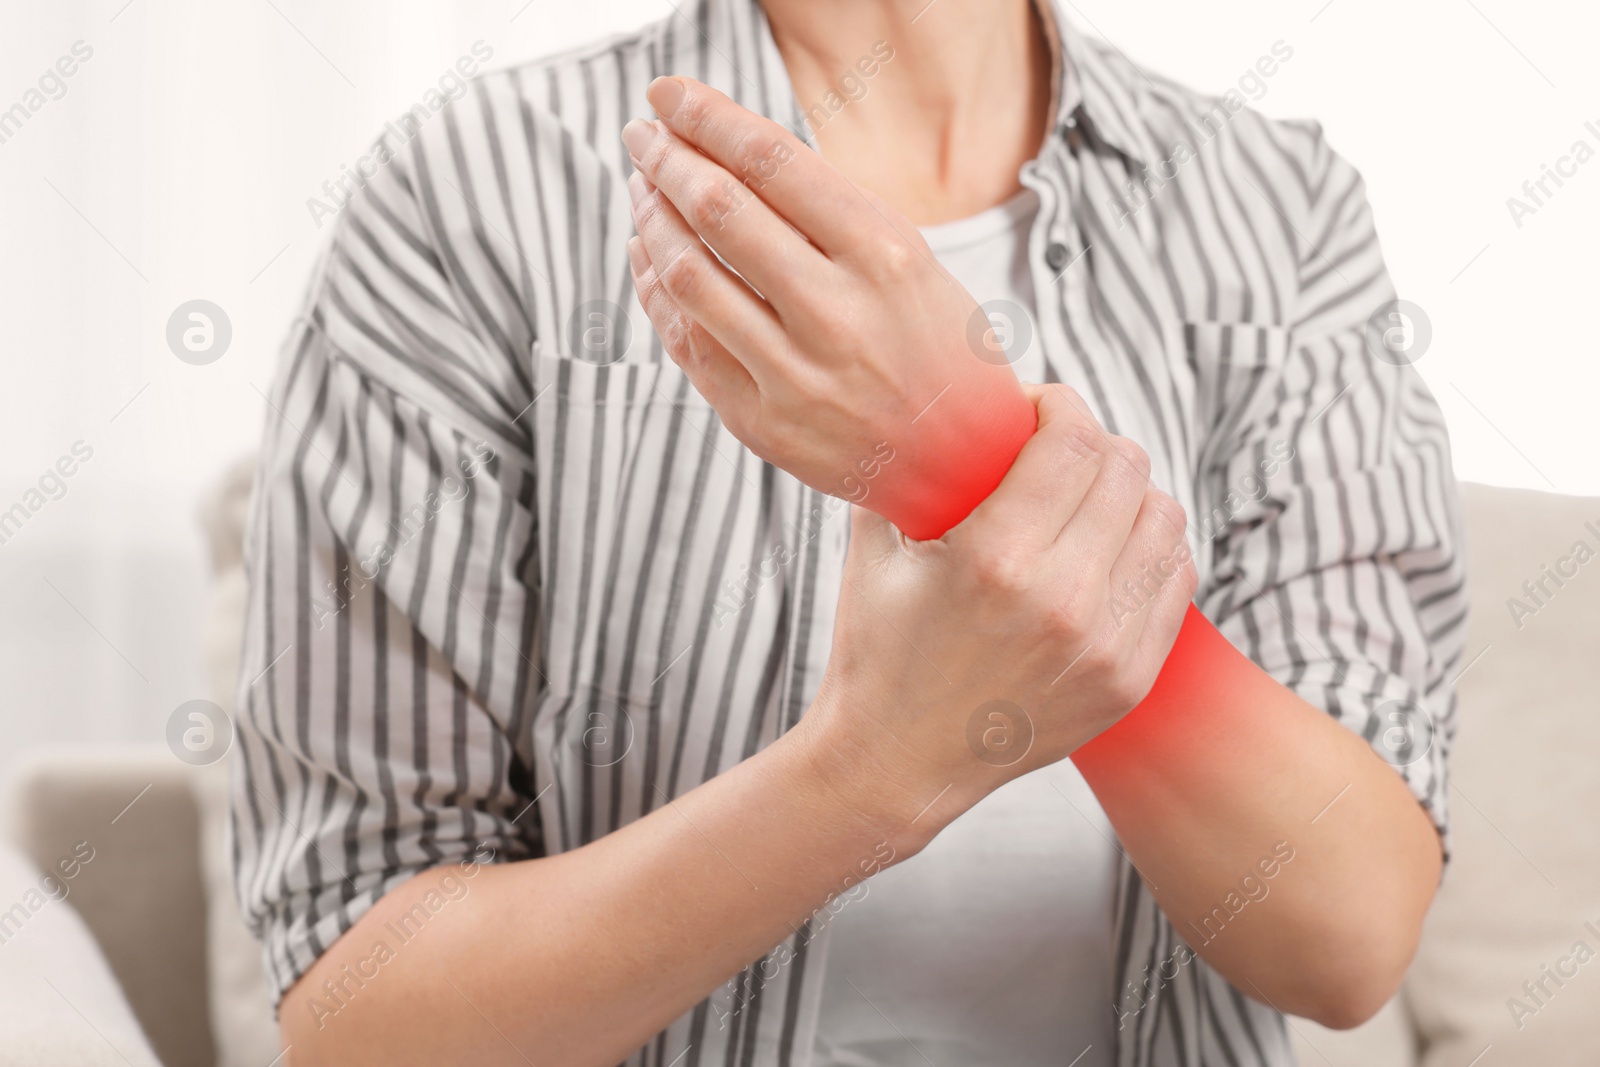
point(960, 455)
point(862, 778)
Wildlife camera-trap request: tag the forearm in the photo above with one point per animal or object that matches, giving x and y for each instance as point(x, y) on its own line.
point(871, 346)
point(580, 957)
point(1209, 793)
point(1220, 765)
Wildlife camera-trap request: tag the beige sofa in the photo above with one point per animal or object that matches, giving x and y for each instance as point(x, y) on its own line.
point(1524, 883)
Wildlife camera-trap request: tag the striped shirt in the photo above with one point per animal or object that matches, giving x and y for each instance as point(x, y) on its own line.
point(513, 585)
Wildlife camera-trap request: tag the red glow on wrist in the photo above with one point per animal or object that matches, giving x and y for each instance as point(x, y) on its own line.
point(1202, 668)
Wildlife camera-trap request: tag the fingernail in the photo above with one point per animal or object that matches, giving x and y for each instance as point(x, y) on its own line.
point(638, 258)
point(665, 94)
point(637, 190)
point(639, 135)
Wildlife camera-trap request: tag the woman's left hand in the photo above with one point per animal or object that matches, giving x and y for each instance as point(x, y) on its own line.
point(835, 331)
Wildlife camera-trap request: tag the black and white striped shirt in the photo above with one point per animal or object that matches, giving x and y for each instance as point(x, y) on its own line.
point(513, 585)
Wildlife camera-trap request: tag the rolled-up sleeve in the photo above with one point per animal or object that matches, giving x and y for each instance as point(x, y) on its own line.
point(387, 667)
point(1330, 519)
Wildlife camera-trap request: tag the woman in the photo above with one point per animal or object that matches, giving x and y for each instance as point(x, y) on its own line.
point(616, 753)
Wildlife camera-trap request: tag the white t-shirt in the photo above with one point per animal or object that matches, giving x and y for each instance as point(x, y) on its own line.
point(992, 947)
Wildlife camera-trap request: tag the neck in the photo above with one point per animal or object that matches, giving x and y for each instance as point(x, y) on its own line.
point(955, 102)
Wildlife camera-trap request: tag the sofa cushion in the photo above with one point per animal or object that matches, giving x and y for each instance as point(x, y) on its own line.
point(1521, 902)
point(140, 897)
point(59, 1003)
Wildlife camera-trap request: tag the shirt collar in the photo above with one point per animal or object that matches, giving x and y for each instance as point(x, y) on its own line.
point(1094, 89)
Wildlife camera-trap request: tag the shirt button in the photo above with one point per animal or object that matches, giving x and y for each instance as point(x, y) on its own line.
point(1070, 132)
point(1056, 256)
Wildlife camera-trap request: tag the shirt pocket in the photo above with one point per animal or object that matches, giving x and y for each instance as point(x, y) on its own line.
point(1236, 366)
point(646, 508)
point(630, 458)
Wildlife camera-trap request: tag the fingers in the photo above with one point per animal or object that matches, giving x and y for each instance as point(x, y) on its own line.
point(1099, 528)
point(699, 285)
point(1154, 578)
point(726, 215)
point(721, 378)
point(797, 182)
point(1084, 498)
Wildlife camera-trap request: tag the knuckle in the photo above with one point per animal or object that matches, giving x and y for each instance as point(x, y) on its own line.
point(658, 156)
point(1126, 686)
point(1072, 445)
point(1135, 455)
point(1059, 626)
point(1000, 570)
point(1065, 626)
point(696, 349)
point(1102, 662)
point(694, 111)
point(1053, 402)
point(1121, 678)
point(648, 288)
point(1074, 610)
point(677, 337)
point(759, 155)
point(1189, 577)
point(687, 276)
point(712, 203)
point(1084, 440)
point(1168, 515)
point(648, 214)
point(1066, 418)
point(895, 258)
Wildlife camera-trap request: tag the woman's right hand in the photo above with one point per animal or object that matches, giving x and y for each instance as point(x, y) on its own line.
point(813, 316)
point(1043, 618)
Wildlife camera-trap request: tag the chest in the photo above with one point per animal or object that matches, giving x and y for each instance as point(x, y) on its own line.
point(687, 589)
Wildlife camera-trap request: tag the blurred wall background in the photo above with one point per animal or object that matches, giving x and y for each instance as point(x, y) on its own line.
point(175, 162)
